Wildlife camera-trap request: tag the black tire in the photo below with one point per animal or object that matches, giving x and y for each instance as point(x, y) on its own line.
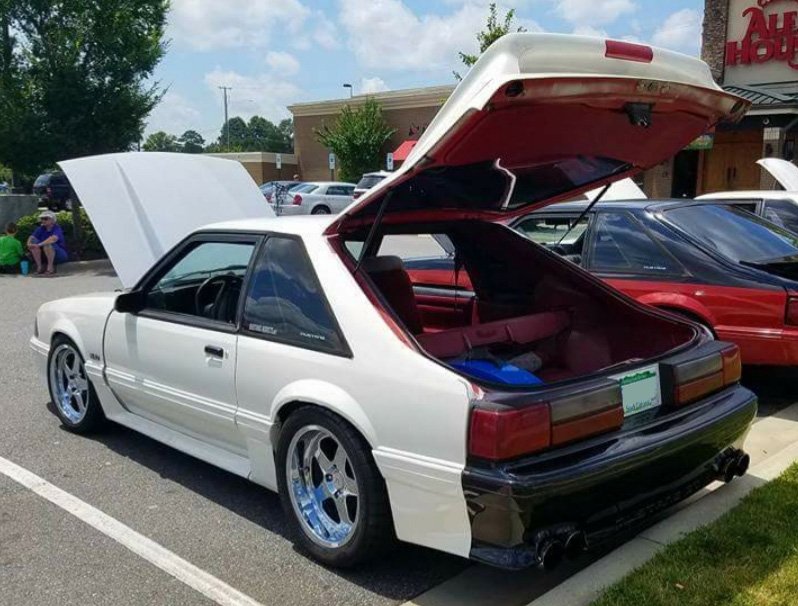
point(373, 532)
point(93, 418)
point(320, 210)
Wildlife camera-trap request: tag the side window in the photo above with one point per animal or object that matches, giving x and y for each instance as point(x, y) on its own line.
point(622, 244)
point(285, 302)
point(204, 281)
point(783, 213)
point(551, 230)
point(339, 190)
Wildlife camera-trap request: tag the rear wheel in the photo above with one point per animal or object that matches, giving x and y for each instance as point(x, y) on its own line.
point(71, 392)
point(320, 210)
point(331, 490)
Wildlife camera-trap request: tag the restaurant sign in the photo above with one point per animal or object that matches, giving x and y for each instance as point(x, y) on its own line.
point(762, 41)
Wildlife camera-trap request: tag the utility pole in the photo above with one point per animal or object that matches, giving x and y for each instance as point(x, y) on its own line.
point(226, 125)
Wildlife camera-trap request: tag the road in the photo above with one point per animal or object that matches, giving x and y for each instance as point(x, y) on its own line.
point(218, 522)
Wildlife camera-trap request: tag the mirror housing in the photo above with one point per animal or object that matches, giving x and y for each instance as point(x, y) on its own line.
point(130, 302)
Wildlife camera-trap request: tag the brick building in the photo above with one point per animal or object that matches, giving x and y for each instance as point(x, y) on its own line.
point(263, 166)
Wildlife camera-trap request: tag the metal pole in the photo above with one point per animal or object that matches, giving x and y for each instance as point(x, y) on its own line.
point(226, 124)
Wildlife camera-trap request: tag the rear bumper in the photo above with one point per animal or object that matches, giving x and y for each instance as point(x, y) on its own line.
point(603, 486)
point(774, 347)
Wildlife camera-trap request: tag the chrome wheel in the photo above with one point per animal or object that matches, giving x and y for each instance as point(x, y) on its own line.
point(322, 486)
point(68, 382)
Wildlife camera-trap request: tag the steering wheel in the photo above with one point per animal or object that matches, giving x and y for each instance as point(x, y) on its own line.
point(225, 282)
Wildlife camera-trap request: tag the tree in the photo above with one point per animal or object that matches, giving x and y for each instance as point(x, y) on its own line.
point(492, 32)
point(357, 138)
point(191, 142)
point(259, 134)
point(74, 77)
point(161, 141)
point(286, 128)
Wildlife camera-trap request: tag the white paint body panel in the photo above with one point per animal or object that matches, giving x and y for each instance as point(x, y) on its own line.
point(143, 203)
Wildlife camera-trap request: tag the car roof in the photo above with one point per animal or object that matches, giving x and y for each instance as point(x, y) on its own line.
point(301, 225)
point(737, 195)
point(322, 183)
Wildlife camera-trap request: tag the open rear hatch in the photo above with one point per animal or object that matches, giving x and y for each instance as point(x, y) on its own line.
point(542, 118)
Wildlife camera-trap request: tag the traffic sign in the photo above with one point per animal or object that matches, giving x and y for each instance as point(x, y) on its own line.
point(389, 161)
point(278, 160)
point(331, 161)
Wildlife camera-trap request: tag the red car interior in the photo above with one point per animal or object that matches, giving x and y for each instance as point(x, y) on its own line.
point(526, 300)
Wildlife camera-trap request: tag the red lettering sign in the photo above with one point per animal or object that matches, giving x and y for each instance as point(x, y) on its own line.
point(768, 37)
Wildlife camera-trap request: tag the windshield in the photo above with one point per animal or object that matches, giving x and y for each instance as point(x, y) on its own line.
point(734, 233)
point(369, 181)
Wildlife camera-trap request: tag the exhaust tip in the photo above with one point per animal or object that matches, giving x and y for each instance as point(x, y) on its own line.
point(551, 554)
point(742, 464)
point(575, 544)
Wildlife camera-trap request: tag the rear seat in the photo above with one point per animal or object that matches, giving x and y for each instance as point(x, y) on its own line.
point(514, 331)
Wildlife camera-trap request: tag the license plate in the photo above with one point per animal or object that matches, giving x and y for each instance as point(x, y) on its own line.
point(640, 390)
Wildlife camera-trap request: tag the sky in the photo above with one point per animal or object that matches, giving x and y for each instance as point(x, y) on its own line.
point(274, 53)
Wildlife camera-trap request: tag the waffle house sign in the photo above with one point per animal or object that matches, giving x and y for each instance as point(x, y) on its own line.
point(762, 42)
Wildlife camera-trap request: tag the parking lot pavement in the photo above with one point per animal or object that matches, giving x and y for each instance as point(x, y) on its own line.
point(222, 524)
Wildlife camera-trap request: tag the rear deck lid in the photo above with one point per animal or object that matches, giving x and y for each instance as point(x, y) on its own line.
point(545, 117)
point(784, 171)
point(142, 204)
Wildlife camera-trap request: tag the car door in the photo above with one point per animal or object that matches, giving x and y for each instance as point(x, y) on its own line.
point(173, 362)
point(339, 197)
point(288, 335)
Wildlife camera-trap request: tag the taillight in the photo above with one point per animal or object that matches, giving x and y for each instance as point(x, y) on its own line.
point(791, 314)
point(297, 200)
point(628, 51)
point(268, 197)
point(697, 378)
point(356, 195)
point(508, 433)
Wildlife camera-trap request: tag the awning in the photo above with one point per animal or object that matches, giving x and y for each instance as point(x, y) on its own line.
point(401, 153)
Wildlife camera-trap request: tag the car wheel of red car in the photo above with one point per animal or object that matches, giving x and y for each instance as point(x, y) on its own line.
point(331, 490)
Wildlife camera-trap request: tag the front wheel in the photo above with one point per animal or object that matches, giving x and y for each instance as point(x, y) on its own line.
point(331, 490)
point(71, 392)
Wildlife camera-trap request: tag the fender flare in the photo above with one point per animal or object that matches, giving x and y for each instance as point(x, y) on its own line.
point(325, 395)
point(68, 329)
point(678, 302)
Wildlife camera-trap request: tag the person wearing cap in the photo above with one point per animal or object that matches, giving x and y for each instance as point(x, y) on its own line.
point(47, 244)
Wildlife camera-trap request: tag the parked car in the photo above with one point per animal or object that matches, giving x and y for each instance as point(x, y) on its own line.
point(316, 198)
point(780, 207)
point(552, 414)
point(53, 190)
point(367, 181)
point(276, 192)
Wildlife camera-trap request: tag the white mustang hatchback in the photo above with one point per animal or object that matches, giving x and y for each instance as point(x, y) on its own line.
point(524, 417)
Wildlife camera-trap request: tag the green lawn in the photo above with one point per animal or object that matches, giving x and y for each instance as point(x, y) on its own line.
point(748, 557)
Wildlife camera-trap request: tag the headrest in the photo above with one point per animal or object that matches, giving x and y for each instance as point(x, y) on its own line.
point(376, 265)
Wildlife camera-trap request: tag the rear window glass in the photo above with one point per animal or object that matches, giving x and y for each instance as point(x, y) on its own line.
point(734, 233)
point(41, 180)
point(304, 188)
point(783, 213)
point(369, 181)
point(622, 244)
point(552, 230)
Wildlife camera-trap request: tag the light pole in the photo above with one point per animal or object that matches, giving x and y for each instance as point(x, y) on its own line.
point(226, 125)
point(349, 86)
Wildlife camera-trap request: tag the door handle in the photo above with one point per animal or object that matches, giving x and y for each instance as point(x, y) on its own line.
point(216, 352)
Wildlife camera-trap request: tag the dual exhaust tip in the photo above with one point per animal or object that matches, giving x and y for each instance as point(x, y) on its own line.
point(735, 466)
point(553, 552)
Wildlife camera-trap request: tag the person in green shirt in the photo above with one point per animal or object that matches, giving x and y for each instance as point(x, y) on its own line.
point(11, 251)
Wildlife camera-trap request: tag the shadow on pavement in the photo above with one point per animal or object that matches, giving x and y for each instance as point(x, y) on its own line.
point(777, 387)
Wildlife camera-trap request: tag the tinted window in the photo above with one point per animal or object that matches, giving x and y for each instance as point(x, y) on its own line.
point(734, 233)
point(285, 302)
point(339, 190)
point(178, 290)
point(622, 244)
point(41, 180)
point(304, 188)
point(367, 182)
point(552, 230)
point(783, 213)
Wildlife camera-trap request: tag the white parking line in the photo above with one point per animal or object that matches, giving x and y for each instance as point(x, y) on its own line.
point(199, 580)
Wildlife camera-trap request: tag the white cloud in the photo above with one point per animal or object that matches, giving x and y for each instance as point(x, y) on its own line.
point(372, 85)
point(214, 24)
point(282, 63)
point(174, 114)
point(588, 30)
point(387, 34)
point(326, 34)
point(681, 31)
point(264, 94)
point(593, 12)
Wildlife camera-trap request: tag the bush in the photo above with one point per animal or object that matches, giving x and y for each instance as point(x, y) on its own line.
point(89, 245)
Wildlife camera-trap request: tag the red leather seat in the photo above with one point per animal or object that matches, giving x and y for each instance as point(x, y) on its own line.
point(389, 275)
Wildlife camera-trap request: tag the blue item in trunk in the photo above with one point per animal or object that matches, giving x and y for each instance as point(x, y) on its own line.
point(490, 371)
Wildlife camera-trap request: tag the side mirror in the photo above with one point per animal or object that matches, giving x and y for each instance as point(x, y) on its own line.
point(130, 302)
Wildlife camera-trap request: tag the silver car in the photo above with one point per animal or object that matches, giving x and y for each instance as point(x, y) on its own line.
point(317, 198)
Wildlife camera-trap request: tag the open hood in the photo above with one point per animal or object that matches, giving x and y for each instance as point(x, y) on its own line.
point(784, 171)
point(545, 117)
point(625, 189)
point(142, 204)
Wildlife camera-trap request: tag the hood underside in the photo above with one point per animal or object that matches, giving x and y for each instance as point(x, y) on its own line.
point(542, 118)
point(784, 171)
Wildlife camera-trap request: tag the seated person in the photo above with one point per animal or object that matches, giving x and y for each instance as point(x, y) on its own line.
point(11, 251)
point(47, 244)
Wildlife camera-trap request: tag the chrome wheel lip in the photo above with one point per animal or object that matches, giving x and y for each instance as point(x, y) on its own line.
point(308, 497)
point(69, 385)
